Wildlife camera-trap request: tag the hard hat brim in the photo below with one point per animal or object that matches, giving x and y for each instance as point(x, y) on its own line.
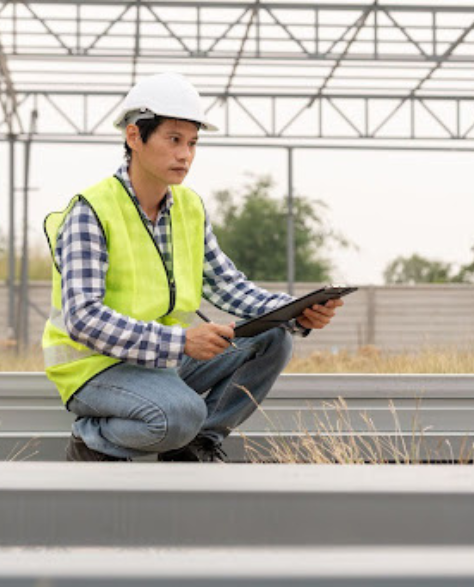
point(120, 120)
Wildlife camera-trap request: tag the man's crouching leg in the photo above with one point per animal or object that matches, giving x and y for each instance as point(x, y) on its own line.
point(130, 411)
point(238, 380)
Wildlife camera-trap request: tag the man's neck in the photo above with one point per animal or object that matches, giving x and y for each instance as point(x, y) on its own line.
point(148, 191)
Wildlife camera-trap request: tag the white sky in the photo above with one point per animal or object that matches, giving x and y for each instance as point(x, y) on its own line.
point(387, 203)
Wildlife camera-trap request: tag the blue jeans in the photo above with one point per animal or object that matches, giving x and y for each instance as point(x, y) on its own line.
point(130, 411)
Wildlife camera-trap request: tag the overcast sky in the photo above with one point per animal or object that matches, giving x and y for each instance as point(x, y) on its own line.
point(387, 203)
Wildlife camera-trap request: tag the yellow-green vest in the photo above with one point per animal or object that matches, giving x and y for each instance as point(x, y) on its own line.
point(137, 283)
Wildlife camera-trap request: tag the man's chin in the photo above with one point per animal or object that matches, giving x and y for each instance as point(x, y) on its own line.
point(177, 178)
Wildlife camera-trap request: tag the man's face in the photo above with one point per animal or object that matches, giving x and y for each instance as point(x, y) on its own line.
point(168, 153)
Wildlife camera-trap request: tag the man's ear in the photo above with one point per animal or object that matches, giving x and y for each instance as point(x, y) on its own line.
point(133, 137)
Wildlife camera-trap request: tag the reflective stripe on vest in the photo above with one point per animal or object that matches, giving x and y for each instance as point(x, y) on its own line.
point(56, 319)
point(62, 353)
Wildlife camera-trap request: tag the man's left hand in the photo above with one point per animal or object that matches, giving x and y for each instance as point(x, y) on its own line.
point(319, 316)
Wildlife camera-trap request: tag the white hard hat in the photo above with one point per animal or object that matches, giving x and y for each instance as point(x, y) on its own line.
point(167, 94)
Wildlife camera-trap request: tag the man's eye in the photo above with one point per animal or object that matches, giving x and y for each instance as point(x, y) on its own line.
point(174, 139)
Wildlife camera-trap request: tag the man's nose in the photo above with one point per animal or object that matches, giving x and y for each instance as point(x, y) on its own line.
point(185, 152)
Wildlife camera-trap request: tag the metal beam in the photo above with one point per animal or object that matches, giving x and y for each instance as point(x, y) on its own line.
point(328, 566)
point(288, 109)
point(11, 334)
point(333, 6)
point(305, 417)
point(296, 44)
point(290, 231)
point(207, 505)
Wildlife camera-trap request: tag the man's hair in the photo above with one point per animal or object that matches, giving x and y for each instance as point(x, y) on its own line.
point(147, 126)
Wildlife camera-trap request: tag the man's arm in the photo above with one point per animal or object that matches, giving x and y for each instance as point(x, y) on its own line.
point(81, 254)
point(228, 289)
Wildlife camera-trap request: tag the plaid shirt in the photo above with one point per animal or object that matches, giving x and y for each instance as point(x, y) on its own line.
point(81, 254)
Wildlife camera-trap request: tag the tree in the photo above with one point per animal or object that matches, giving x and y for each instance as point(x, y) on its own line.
point(417, 269)
point(466, 272)
point(252, 231)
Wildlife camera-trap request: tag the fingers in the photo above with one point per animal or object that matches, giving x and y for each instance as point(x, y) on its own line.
point(223, 330)
point(319, 316)
point(334, 303)
point(317, 319)
point(205, 341)
point(215, 342)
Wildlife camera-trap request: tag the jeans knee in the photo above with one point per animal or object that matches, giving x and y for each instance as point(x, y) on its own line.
point(186, 421)
point(279, 345)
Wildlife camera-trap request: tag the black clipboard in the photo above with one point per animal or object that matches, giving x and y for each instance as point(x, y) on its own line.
point(290, 310)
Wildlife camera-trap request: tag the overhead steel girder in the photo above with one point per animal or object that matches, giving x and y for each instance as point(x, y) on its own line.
point(8, 96)
point(302, 31)
point(350, 117)
point(196, 29)
point(366, 70)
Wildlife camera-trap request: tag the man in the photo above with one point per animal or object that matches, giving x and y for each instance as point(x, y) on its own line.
point(133, 256)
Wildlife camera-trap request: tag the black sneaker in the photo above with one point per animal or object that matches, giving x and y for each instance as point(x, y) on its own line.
point(201, 449)
point(77, 450)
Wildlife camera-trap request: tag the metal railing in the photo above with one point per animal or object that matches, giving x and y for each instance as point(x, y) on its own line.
point(391, 417)
point(246, 524)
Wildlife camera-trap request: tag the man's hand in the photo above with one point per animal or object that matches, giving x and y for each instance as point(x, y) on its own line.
point(205, 341)
point(319, 316)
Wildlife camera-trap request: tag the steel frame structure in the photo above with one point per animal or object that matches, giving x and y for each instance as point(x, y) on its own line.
point(359, 74)
point(285, 70)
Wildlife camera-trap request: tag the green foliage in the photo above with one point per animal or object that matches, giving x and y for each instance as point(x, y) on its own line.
point(417, 269)
point(252, 228)
point(466, 272)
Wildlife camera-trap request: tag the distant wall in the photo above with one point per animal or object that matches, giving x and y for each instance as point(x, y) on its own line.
point(393, 318)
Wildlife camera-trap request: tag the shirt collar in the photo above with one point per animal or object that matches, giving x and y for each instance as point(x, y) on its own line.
point(122, 173)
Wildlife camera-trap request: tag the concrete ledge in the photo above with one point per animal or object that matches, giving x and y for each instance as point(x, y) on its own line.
point(324, 567)
point(181, 505)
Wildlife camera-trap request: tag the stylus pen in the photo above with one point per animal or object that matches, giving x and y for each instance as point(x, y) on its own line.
point(206, 319)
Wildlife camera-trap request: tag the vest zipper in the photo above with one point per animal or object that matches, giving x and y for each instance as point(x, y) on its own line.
point(170, 278)
point(172, 294)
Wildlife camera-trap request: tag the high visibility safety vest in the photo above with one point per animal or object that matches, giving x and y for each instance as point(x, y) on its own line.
point(137, 283)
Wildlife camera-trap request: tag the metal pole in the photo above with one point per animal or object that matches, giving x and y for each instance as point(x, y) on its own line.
point(23, 319)
point(11, 244)
point(290, 226)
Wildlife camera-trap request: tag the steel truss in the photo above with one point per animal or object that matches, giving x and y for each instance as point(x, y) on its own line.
point(356, 74)
point(275, 70)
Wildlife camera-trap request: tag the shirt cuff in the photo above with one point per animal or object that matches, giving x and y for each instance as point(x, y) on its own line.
point(171, 349)
point(295, 328)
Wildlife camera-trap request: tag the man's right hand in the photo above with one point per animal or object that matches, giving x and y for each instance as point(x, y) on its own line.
point(205, 341)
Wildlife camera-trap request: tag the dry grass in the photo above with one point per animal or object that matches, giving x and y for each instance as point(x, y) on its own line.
point(11, 360)
point(370, 359)
point(339, 441)
point(22, 452)
point(39, 266)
